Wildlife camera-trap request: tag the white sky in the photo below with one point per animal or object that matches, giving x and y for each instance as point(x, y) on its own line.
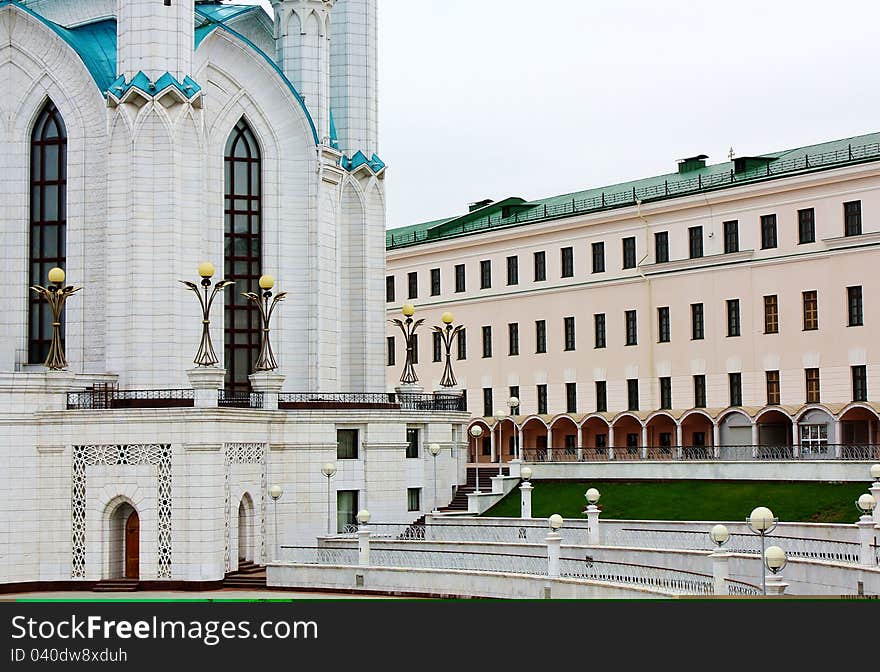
point(496, 98)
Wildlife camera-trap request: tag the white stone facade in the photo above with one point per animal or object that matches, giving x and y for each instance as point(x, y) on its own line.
point(146, 139)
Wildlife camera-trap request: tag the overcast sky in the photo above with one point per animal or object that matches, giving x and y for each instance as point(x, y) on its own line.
point(496, 98)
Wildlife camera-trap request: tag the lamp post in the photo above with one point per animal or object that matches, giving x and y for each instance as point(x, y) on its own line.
point(594, 536)
point(499, 418)
point(866, 505)
point(434, 449)
point(513, 403)
point(206, 355)
point(476, 431)
point(56, 294)
point(719, 534)
point(554, 541)
point(447, 335)
point(875, 491)
point(525, 490)
point(329, 470)
point(275, 493)
point(363, 535)
point(265, 360)
point(408, 327)
point(775, 561)
point(762, 522)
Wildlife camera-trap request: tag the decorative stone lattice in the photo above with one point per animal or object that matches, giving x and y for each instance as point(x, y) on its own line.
point(243, 453)
point(155, 454)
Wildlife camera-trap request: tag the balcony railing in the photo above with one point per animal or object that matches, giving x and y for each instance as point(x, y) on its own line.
point(230, 399)
point(109, 398)
point(372, 401)
point(739, 453)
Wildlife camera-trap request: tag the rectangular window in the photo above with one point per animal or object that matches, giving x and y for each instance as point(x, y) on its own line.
point(462, 345)
point(852, 218)
point(661, 247)
point(811, 311)
point(459, 278)
point(768, 231)
point(389, 350)
point(513, 339)
point(569, 333)
point(437, 346)
point(413, 499)
point(811, 377)
point(855, 313)
point(632, 330)
point(814, 440)
point(733, 321)
point(859, 383)
point(695, 242)
point(512, 270)
point(734, 381)
point(346, 510)
point(488, 406)
point(601, 442)
point(413, 441)
point(485, 274)
point(567, 262)
point(435, 282)
point(697, 330)
point(632, 394)
point(629, 252)
point(601, 396)
point(666, 392)
point(346, 444)
point(487, 341)
point(598, 257)
point(773, 394)
point(806, 226)
point(663, 329)
point(389, 288)
point(540, 266)
point(415, 348)
point(600, 329)
point(540, 336)
point(771, 314)
point(571, 398)
point(412, 281)
point(731, 237)
point(542, 400)
point(700, 391)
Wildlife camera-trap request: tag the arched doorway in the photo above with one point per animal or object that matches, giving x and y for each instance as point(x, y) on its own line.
point(245, 530)
point(125, 532)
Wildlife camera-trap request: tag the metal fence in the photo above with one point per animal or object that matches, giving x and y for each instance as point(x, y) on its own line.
point(372, 400)
point(398, 531)
point(737, 453)
point(673, 581)
point(631, 196)
point(742, 589)
point(229, 399)
point(109, 398)
point(505, 534)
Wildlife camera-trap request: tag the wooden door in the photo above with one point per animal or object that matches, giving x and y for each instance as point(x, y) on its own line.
point(132, 546)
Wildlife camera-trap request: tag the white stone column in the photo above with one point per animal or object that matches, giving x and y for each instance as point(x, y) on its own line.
point(549, 444)
point(207, 381)
point(610, 442)
point(838, 440)
point(754, 439)
point(594, 532)
point(866, 540)
point(492, 457)
point(720, 571)
point(269, 384)
point(554, 541)
point(716, 440)
point(776, 585)
point(525, 500)
point(875, 491)
point(363, 536)
point(795, 440)
point(580, 447)
point(644, 449)
point(678, 440)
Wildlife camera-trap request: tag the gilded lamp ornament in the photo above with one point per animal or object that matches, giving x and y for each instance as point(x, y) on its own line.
point(206, 355)
point(408, 327)
point(447, 335)
point(266, 360)
point(56, 294)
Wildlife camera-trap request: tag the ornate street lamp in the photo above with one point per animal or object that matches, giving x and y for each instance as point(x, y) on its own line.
point(434, 449)
point(206, 355)
point(329, 471)
point(56, 295)
point(500, 416)
point(476, 431)
point(266, 360)
point(275, 493)
point(762, 522)
point(408, 327)
point(447, 335)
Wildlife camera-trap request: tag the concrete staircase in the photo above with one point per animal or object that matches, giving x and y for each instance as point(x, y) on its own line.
point(116, 586)
point(248, 577)
point(459, 503)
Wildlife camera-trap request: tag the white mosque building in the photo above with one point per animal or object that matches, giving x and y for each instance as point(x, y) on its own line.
point(139, 138)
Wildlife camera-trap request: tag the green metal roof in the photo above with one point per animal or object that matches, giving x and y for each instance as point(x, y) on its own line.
point(824, 156)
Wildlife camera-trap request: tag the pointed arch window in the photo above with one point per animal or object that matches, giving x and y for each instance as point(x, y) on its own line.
point(48, 221)
point(243, 254)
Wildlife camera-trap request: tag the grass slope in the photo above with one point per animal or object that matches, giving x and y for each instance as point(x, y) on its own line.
point(692, 500)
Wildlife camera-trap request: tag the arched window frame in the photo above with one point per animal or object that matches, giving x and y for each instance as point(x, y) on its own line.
point(48, 221)
point(242, 253)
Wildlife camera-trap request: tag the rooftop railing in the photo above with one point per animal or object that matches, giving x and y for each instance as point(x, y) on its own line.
point(668, 189)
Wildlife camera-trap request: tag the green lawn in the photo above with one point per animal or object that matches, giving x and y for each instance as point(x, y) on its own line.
point(693, 500)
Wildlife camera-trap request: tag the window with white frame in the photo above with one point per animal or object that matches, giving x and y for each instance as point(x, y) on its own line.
point(814, 439)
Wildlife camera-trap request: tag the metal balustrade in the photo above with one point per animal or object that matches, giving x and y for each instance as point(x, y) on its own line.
point(372, 401)
point(229, 399)
point(674, 581)
point(111, 398)
point(397, 531)
point(742, 589)
point(507, 534)
point(632, 195)
point(734, 453)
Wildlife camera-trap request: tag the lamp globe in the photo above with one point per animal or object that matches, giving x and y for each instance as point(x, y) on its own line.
point(56, 276)
point(434, 449)
point(525, 473)
point(774, 558)
point(363, 517)
point(555, 521)
point(592, 495)
point(476, 431)
point(866, 503)
point(328, 469)
point(761, 519)
point(275, 492)
point(719, 534)
point(206, 269)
